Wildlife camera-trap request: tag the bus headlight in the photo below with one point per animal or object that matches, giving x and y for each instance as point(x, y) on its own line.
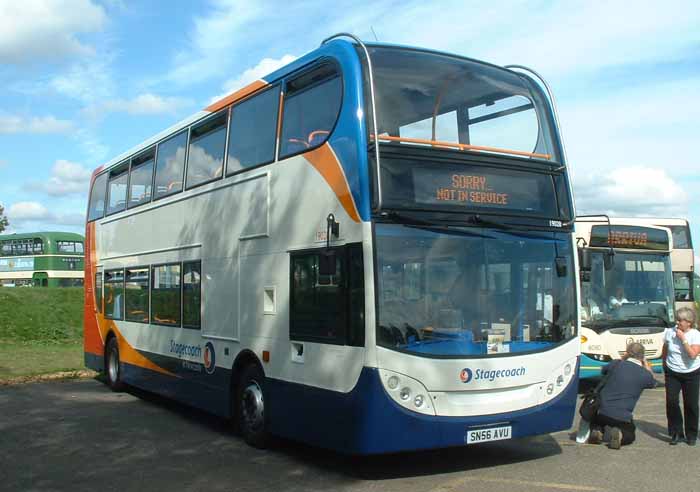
point(559, 379)
point(407, 392)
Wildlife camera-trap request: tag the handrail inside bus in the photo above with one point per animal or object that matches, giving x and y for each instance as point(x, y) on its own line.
point(460, 146)
point(374, 107)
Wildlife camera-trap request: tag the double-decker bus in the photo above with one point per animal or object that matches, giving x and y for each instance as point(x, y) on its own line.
point(682, 256)
point(369, 250)
point(42, 259)
point(626, 289)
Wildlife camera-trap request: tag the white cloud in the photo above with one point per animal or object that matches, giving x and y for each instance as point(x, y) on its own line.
point(214, 40)
point(23, 215)
point(88, 80)
point(143, 104)
point(3, 163)
point(649, 126)
point(36, 30)
point(28, 211)
point(265, 67)
point(67, 178)
point(630, 191)
point(12, 124)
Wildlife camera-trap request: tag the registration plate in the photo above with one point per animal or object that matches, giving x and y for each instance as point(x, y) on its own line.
point(490, 434)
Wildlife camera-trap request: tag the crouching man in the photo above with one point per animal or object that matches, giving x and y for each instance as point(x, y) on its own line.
point(628, 377)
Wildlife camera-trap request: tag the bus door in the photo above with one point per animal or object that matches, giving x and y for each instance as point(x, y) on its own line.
point(40, 279)
point(326, 299)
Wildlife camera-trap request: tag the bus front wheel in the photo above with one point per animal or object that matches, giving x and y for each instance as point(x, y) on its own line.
point(113, 365)
point(250, 407)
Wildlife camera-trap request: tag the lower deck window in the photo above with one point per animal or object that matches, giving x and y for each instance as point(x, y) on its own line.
point(136, 293)
point(114, 294)
point(165, 294)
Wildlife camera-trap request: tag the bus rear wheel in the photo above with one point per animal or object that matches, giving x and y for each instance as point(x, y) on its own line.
point(113, 365)
point(250, 407)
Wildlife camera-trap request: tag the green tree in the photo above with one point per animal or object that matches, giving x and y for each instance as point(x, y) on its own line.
point(3, 220)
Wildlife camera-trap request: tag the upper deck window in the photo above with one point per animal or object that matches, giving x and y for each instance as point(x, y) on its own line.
point(96, 210)
point(424, 97)
point(69, 247)
point(311, 107)
point(253, 131)
point(118, 180)
point(141, 180)
point(170, 165)
point(206, 155)
point(681, 237)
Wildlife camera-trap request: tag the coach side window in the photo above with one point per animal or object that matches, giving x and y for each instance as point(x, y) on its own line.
point(191, 294)
point(114, 294)
point(136, 294)
point(165, 294)
point(170, 165)
point(311, 108)
point(205, 161)
point(141, 178)
point(253, 130)
point(96, 210)
point(118, 179)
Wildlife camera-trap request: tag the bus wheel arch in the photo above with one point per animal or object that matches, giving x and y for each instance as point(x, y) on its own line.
point(248, 400)
point(113, 369)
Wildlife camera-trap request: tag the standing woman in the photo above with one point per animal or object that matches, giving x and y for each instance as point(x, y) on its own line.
point(682, 373)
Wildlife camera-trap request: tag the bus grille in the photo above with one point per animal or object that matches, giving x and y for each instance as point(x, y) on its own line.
point(647, 353)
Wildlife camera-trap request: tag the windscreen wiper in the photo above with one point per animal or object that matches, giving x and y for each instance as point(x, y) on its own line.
point(652, 316)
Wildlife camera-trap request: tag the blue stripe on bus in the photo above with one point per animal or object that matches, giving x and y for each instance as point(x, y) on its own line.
point(367, 421)
point(363, 421)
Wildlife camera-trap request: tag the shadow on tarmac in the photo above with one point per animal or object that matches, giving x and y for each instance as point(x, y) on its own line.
point(377, 467)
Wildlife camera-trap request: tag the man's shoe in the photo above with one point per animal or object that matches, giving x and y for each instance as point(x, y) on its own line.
point(615, 438)
point(675, 439)
point(692, 442)
point(596, 437)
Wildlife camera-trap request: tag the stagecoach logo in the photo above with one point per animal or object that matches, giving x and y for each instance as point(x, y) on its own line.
point(490, 375)
point(209, 358)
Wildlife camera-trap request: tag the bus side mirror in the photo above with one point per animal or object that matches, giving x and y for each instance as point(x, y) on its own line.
point(326, 263)
point(608, 260)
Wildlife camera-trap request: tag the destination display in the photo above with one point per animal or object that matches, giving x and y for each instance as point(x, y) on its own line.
point(630, 237)
point(445, 186)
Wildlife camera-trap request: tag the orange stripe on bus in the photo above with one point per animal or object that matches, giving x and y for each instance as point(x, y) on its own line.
point(325, 161)
point(460, 146)
point(239, 94)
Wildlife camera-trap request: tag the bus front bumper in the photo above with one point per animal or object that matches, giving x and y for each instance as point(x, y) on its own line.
point(591, 368)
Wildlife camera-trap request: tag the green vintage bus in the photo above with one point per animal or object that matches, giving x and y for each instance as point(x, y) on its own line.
point(42, 259)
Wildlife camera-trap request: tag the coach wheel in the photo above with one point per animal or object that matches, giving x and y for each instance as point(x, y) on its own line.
point(114, 375)
point(252, 419)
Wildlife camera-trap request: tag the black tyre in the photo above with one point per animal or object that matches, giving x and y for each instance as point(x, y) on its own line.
point(113, 367)
point(250, 412)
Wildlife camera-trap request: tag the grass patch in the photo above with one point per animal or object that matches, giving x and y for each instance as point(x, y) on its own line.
point(36, 358)
point(41, 331)
point(40, 314)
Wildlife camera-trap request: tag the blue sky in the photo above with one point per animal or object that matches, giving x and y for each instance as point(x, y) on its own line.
point(85, 80)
